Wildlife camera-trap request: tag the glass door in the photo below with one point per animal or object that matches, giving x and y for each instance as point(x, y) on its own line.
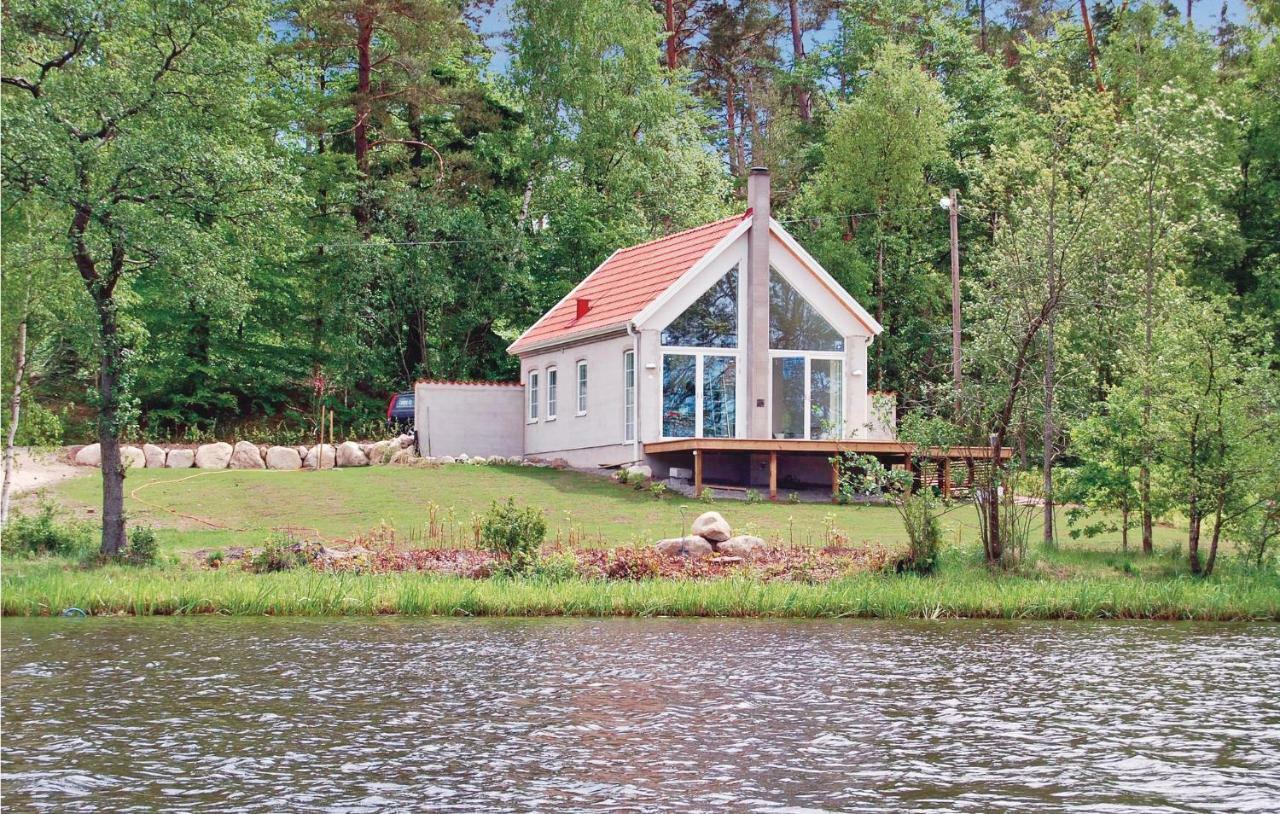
point(807, 394)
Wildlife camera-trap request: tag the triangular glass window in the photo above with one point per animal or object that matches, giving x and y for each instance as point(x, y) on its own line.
point(794, 324)
point(712, 321)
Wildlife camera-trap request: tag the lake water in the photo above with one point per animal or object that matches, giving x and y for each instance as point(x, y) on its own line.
point(277, 715)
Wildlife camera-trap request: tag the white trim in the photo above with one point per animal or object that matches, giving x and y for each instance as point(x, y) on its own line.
point(581, 386)
point(671, 290)
point(634, 387)
point(699, 355)
point(809, 356)
point(552, 309)
point(552, 403)
point(843, 296)
point(533, 380)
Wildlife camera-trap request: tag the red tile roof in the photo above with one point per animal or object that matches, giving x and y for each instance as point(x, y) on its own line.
point(626, 283)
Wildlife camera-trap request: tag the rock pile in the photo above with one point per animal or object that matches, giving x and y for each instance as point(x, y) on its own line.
point(711, 536)
point(246, 455)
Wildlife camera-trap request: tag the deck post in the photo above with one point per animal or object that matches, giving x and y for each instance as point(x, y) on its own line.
point(944, 477)
point(773, 475)
point(697, 473)
point(968, 482)
point(835, 477)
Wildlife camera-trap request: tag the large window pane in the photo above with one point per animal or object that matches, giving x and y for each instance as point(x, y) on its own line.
point(712, 321)
point(793, 322)
point(719, 392)
point(826, 392)
point(629, 395)
point(788, 397)
point(679, 394)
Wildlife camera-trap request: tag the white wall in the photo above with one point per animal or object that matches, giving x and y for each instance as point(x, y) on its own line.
point(596, 438)
point(477, 419)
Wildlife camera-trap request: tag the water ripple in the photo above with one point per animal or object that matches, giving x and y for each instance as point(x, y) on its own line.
point(638, 716)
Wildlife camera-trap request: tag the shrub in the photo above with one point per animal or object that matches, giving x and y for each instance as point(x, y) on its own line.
point(49, 531)
point(793, 497)
point(753, 496)
point(557, 567)
point(513, 532)
point(657, 489)
point(280, 552)
point(919, 515)
point(143, 547)
point(38, 426)
point(215, 558)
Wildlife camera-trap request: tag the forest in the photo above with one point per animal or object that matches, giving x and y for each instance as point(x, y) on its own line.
point(220, 215)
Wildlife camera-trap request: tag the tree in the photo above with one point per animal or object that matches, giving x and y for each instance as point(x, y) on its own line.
point(876, 160)
point(134, 125)
point(1045, 191)
point(1171, 174)
point(1217, 427)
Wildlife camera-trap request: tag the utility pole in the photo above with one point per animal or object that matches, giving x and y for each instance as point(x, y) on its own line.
point(953, 211)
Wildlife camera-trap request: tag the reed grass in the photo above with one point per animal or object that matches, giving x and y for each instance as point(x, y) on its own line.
point(48, 588)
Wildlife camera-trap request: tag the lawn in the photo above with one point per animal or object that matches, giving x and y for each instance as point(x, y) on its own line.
point(195, 510)
point(435, 507)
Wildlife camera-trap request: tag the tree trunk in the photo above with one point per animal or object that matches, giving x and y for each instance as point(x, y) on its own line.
point(360, 132)
point(1050, 386)
point(1148, 351)
point(982, 25)
point(111, 361)
point(1093, 44)
point(1216, 535)
point(804, 101)
point(1124, 528)
point(731, 126)
point(879, 346)
point(671, 35)
point(1193, 536)
point(15, 411)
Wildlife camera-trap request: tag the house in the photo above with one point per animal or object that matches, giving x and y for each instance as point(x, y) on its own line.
point(723, 353)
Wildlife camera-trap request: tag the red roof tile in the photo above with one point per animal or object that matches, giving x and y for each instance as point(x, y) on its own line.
point(626, 283)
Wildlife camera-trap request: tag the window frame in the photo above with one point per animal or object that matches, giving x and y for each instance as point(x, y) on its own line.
point(580, 387)
point(532, 381)
point(553, 386)
point(628, 396)
point(809, 356)
point(699, 355)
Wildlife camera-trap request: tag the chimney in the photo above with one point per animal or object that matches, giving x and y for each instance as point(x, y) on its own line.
point(757, 291)
point(584, 305)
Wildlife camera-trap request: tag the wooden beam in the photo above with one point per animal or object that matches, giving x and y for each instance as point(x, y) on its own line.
point(773, 475)
point(817, 447)
point(944, 477)
point(697, 473)
point(835, 478)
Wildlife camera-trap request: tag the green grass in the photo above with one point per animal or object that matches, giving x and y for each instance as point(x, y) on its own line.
point(48, 587)
point(1080, 580)
point(245, 506)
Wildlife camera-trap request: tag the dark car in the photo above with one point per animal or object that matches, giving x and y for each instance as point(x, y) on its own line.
point(400, 412)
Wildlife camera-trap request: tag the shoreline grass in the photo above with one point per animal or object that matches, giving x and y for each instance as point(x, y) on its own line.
point(47, 588)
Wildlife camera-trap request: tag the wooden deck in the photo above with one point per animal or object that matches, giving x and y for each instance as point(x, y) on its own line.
point(892, 450)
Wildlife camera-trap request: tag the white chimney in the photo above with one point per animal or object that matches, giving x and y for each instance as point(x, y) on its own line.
point(757, 288)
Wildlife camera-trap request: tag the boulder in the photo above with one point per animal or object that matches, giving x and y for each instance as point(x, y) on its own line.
point(246, 456)
point(379, 452)
point(405, 440)
point(479, 460)
point(446, 459)
point(641, 472)
point(154, 455)
point(213, 456)
point(711, 526)
point(741, 546)
point(283, 458)
point(90, 455)
point(366, 449)
point(404, 457)
point(302, 451)
point(180, 459)
point(132, 457)
point(350, 454)
point(318, 458)
point(693, 548)
point(464, 458)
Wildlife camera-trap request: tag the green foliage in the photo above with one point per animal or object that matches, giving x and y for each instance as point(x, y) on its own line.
point(38, 426)
point(864, 476)
point(143, 547)
point(514, 533)
point(753, 496)
point(48, 530)
point(279, 552)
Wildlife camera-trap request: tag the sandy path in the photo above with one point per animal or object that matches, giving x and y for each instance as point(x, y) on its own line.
point(36, 470)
